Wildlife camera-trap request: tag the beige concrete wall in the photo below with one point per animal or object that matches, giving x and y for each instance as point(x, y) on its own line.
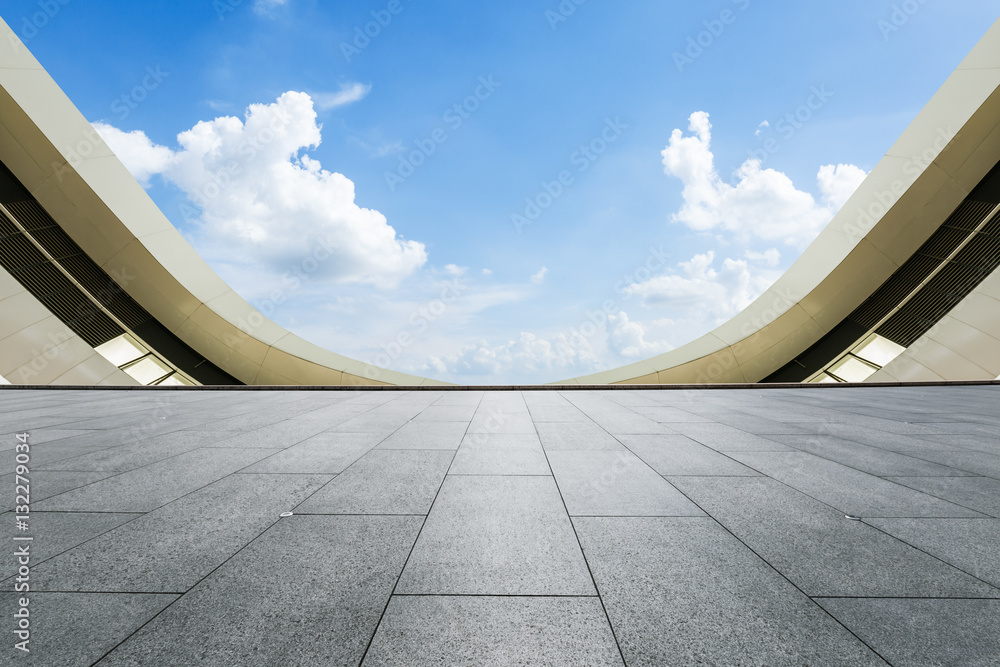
point(37, 348)
point(964, 345)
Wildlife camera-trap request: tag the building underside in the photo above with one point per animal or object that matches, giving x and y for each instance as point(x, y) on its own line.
point(98, 288)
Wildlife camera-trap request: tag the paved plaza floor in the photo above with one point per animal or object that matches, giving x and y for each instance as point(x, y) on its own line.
point(808, 526)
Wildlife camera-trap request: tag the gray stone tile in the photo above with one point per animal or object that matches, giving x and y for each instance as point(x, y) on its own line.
point(850, 491)
point(818, 549)
point(70, 629)
point(969, 544)
point(680, 455)
point(500, 454)
point(53, 456)
point(127, 420)
point(431, 630)
point(275, 436)
point(157, 484)
point(628, 422)
point(540, 399)
point(756, 424)
point(373, 423)
point(682, 591)
point(333, 414)
point(309, 591)
point(865, 458)
point(980, 463)
point(383, 482)
point(39, 437)
point(426, 435)
point(56, 532)
point(894, 442)
point(725, 438)
point(959, 633)
point(497, 536)
point(557, 413)
point(576, 437)
point(665, 414)
point(329, 453)
point(171, 549)
point(460, 398)
point(48, 483)
point(447, 413)
point(615, 484)
point(989, 444)
point(136, 455)
point(977, 493)
point(248, 421)
point(486, 421)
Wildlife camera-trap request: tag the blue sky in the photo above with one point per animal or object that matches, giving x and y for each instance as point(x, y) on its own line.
point(500, 192)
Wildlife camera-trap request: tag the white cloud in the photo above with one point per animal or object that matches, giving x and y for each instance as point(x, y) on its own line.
point(760, 128)
point(539, 277)
point(715, 294)
point(838, 183)
point(455, 270)
point(349, 93)
point(528, 354)
point(630, 339)
point(769, 257)
point(137, 152)
point(763, 202)
point(487, 272)
point(267, 207)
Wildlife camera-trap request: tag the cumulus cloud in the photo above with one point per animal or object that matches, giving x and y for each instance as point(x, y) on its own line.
point(633, 340)
point(260, 202)
point(539, 277)
point(717, 293)
point(137, 152)
point(838, 183)
point(763, 203)
point(349, 93)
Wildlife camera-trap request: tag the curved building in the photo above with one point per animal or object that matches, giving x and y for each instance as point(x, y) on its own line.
point(98, 288)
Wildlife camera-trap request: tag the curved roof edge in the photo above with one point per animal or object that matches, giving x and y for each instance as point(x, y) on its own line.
point(56, 154)
point(940, 158)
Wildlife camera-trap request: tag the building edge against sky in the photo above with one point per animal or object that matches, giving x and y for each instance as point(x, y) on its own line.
point(99, 288)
